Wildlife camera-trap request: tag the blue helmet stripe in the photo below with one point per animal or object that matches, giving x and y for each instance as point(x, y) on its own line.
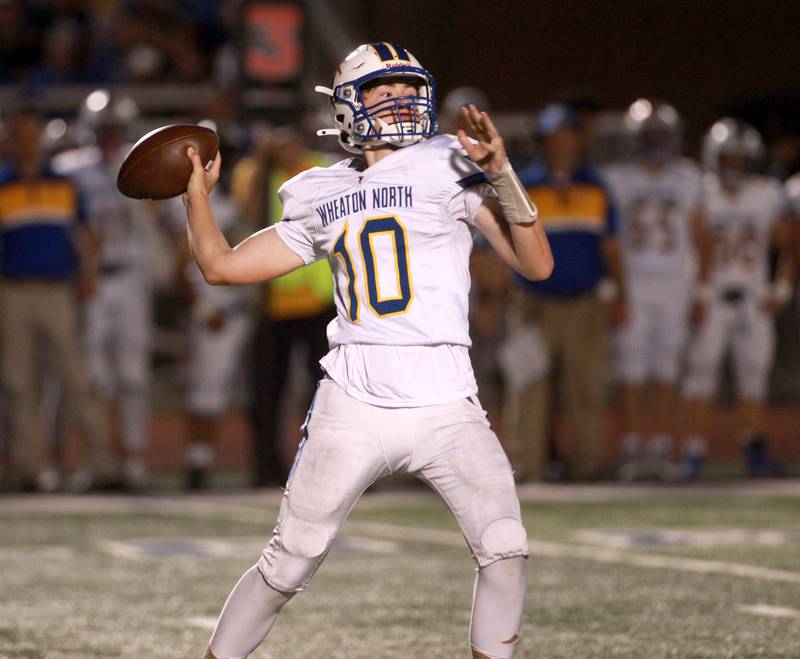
point(402, 53)
point(383, 51)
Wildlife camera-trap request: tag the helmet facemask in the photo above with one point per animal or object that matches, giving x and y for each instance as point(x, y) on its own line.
point(398, 121)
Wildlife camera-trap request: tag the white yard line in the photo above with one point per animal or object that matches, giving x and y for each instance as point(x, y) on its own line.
point(202, 622)
point(252, 499)
point(585, 552)
point(244, 508)
point(770, 611)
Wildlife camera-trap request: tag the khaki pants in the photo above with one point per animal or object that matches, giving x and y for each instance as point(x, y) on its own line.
point(574, 331)
point(33, 313)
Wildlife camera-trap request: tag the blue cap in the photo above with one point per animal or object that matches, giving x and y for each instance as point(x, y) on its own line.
point(554, 116)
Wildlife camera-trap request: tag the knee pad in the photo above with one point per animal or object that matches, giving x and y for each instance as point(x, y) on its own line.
point(503, 538)
point(296, 550)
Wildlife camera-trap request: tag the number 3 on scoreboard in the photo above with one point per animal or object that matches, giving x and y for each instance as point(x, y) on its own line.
point(382, 306)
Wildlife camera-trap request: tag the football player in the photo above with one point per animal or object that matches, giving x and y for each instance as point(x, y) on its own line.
point(118, 317)
point(658, 195)
point(395, 222)
point(744, 215)
point(219, 327)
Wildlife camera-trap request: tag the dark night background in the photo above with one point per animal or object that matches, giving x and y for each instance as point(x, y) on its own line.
point(707, 58)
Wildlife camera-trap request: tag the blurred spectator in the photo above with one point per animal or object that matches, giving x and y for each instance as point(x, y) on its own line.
point(744, 215)
point(219, 326)
point(64, 61)
point(118, 317)
point(19, 47)
point(297, 307)
point(42, 219)
point(657, 194)
point(450, 117)
point(560, 324)
point(160, 42)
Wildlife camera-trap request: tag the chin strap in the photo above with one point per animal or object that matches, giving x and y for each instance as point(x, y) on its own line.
point(322, 132)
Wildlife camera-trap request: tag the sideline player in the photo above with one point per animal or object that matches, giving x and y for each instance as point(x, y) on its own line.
point(118, 317)
point(658, 194)
point(396, 223)
point(736, 304)
point(219, 328)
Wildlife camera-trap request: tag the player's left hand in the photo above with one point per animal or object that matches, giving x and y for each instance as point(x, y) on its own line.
point(490, 151)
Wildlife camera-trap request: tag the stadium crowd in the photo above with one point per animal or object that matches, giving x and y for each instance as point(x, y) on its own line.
point(664, 265)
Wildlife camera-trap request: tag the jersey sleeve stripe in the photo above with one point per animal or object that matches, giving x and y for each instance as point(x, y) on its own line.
point(473, 179)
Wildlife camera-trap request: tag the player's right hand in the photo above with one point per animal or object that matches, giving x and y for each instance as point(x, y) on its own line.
point(202, 180)
point(489, 151)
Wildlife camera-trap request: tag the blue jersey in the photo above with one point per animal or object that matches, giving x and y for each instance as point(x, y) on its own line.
point(576, 215)
point(37, 216)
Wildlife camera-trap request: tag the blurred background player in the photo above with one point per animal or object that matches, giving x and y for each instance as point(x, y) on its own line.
point(450, 116)
point(48, 255)
point(292, 323)
point(220, 326)
point(118, 318)
point(744, 215)
point(565, 317)
point(657, 195)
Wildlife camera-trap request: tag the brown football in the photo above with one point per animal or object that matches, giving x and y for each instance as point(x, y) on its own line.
point(157, 166)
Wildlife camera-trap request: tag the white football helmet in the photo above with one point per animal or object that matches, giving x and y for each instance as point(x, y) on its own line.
point(357, 124)
point(732, 137)
point(656, 127)
point(105, 115)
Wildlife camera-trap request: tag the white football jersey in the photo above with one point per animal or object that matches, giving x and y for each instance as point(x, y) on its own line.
point(117, 220)
point(741, 225)
point(656, 210)
point(398, 237)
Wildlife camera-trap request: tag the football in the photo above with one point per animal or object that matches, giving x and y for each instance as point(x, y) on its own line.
point(157, 166)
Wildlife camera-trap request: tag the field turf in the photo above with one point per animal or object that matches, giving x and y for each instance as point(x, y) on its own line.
point(636, 571)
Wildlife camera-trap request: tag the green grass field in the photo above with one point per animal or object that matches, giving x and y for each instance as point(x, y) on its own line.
point(615, 572)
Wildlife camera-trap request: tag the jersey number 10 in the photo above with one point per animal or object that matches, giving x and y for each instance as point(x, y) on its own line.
point(382, 306)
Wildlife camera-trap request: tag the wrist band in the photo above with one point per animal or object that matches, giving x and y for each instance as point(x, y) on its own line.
point(517, 205)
